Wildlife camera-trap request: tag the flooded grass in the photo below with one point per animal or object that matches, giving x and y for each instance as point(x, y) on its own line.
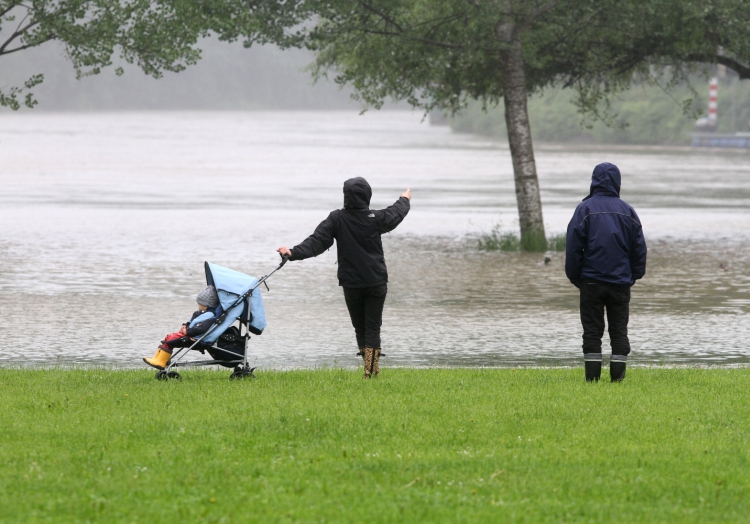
point(556, 242)
point(497, 240)
point(439, 445)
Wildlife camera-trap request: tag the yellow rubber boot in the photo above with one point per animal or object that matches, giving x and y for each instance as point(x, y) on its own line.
point(160, 360)
point(159, 348)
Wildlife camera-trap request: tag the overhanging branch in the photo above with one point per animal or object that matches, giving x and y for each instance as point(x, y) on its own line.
point(16, 34)
point(401, 31)
point(21, 48)
point(382, 15)
point(533, 17)
point(428, 41)
point(10, 7)
point(741, 69)
point(735, 65)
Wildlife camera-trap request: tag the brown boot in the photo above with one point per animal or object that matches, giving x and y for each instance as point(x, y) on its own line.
point(376, 363)
point(369, 357)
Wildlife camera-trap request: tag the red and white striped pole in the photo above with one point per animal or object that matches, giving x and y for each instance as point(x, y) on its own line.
point(713, 100)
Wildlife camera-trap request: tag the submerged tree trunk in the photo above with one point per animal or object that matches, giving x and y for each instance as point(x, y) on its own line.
point(519, 139)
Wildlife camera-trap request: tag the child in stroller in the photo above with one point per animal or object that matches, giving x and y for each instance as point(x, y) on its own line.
point(209, 309)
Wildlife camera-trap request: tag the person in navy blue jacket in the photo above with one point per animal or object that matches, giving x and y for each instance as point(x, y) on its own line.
point(605, 253)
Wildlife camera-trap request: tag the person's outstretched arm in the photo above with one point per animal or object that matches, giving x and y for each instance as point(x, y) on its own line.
point(315, 244)
point(392, 216)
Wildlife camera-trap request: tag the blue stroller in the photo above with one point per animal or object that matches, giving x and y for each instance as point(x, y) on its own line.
point(226, 343)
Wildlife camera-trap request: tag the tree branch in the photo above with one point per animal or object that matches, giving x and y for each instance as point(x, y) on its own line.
point(401, 30)
point(382, 15)
point(742, 70)
point(10, 7)
point(7, 42)
point(567, 32)
point(535, 15)
point(428, 41)
point(51, 37)
point(377, 32)
point(437, 23)
point(16, 34)
point(25, 17)
point(735, 65)
point(436, 43)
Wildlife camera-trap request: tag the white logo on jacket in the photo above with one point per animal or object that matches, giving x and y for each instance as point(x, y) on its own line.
point(371, 215)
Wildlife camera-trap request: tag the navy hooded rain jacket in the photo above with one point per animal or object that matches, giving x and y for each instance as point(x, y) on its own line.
point(605, 239)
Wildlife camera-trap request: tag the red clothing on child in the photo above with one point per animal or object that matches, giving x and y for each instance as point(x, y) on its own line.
point(169, 338)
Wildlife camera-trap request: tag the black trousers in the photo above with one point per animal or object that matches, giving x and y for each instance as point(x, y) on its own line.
point(183, 342)
point(366, 311)
point(595, 297)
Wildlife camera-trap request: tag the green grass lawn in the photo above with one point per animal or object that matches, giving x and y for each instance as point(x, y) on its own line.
point(442, 445)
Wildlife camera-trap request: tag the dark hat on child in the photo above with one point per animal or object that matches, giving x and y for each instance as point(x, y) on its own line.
point(208, 297)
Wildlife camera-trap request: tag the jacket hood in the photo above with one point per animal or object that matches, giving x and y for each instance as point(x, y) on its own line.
point(605, 181)
point(357, 193)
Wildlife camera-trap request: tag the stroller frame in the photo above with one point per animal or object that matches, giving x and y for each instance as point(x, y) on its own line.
point(242, 369)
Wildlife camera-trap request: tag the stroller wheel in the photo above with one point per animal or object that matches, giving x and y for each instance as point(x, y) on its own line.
point(174, 375)
point(240, 373)
point(161, 375)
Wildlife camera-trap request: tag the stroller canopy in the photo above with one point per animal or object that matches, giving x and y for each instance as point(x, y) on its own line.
point(231, 285)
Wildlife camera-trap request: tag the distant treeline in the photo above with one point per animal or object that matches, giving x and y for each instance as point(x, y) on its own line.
point(228, 77)
point(645, 115)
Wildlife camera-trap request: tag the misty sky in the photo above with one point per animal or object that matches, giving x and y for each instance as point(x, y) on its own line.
point(228, 77)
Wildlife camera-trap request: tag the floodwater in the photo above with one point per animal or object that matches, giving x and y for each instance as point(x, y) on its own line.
point(106, 220)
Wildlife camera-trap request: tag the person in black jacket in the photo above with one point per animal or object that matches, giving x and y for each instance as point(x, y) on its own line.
point(605, 255)
point(362, 271)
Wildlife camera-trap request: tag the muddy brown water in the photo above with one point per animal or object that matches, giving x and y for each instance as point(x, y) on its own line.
point(107, 219)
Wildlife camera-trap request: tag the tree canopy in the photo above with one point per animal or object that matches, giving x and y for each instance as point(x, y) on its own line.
point(156, 35)
point(443, 53)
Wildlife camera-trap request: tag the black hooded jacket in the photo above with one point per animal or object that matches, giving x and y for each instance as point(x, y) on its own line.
point(357, 230)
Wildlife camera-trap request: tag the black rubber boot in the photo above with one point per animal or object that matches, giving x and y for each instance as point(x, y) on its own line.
point(617, 367)
point(592, 362)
